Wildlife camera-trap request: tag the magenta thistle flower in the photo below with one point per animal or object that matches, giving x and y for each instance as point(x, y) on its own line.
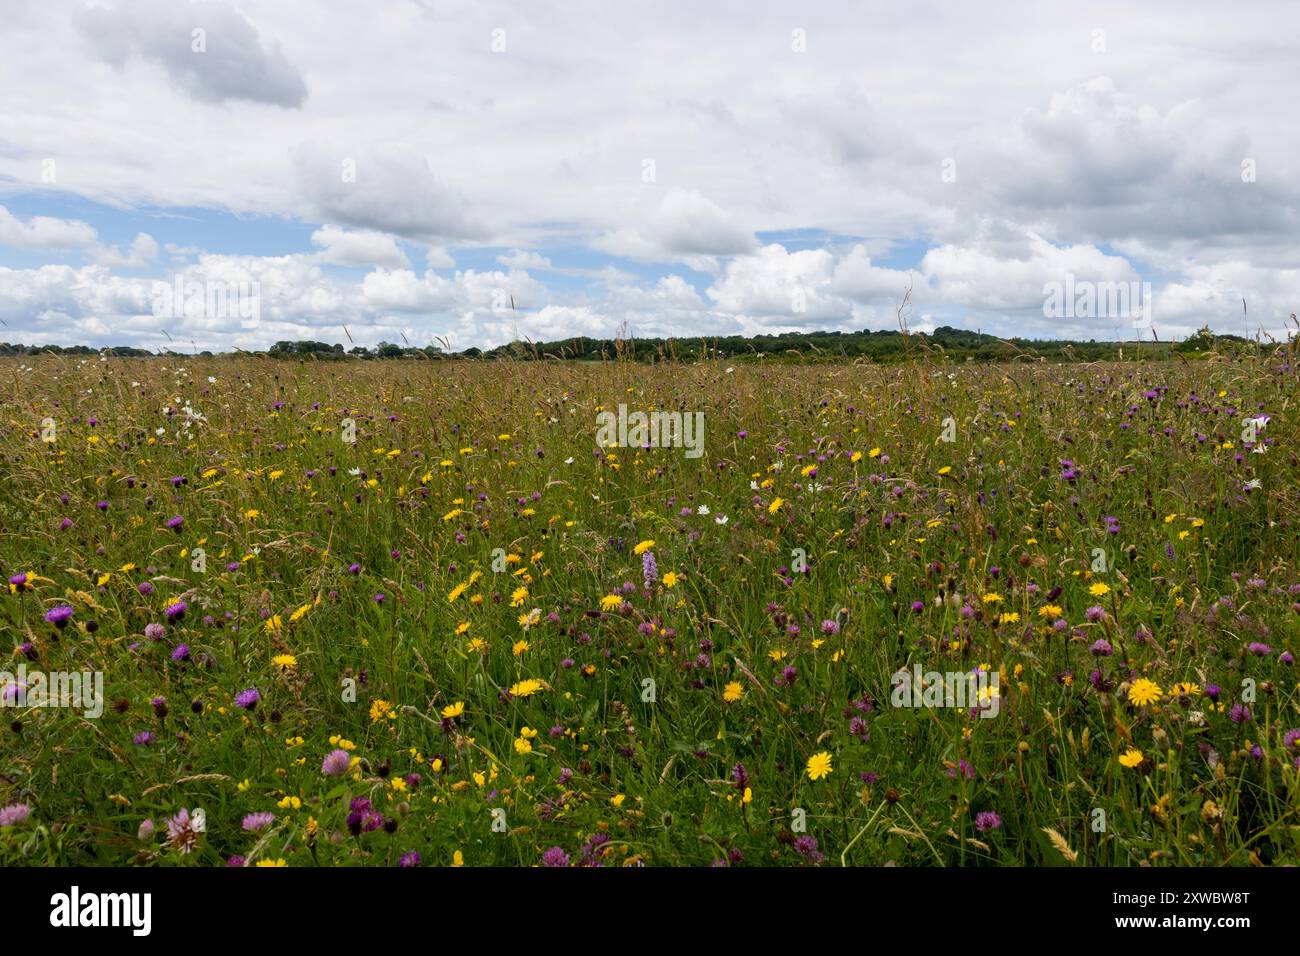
point(248, 699)
point(59, 616)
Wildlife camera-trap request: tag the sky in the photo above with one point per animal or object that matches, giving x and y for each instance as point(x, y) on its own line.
point(221, 175)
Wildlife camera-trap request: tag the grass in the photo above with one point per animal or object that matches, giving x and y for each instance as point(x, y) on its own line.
point(331, 574)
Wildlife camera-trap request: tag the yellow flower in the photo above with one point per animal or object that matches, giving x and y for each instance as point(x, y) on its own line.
point(992, 598)
point(855, 457)
point(300, 613)
point(1144, 691)
point(458, 859)
point(611, 602)
point(643, 546)
point(379, 709)
point(945, 469)
point(1049, 610)
point(874, 453)
point(452, 711)
point(456, 592)
point(519, 647)
point(671, 579)
point(518, 596)
point(274, 624)
point(523, 746)
point(733, 692)
point(1099, 589)
point(617, 799)
point(278, 861)
point(525, 688)
point(285, 661)
point(1132, 758)
point(1010, 617)
point(819, 765)
point(775, 506)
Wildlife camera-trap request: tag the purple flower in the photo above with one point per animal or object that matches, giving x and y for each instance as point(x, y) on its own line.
point(155, 631)
point(144, 738)
point(14, 814)
point(175, 523)
point(258, 821)
point(649, 569)
point(555, 856)
point(1095, 613)
point(1239, 714)
point(409, 858)
point(248, 699)
point(1263, 650)
point(806, 846)
point(336, 763)
point(1102, 648)
point(988, 820)
point(176, 611)
point(182, 652)
point(830, 627)
point(59, 616)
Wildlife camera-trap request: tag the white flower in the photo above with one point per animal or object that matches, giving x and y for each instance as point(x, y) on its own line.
point(212, 380)
point(721, 519)
point(1253, 485)
point(702, 510)
point(569, 460)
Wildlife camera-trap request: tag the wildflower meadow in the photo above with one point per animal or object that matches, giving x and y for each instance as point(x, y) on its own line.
point(459, 613)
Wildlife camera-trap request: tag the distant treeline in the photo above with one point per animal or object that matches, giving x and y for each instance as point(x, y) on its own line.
point(882, 346)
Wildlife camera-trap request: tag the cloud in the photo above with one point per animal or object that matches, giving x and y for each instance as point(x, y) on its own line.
point(388, 189)
point(44, 232)
point(143, 250)
point(683, 224)
point(343, 248)
point(207, 48)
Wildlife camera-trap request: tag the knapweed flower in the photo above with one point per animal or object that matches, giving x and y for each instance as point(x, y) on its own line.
point(258, 821)
point(248, 699)
point(176, 611)
point(155, 631)
point(988, 820)
point(819, 766)
point(59, 616)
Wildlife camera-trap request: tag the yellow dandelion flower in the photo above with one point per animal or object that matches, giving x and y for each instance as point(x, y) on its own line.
point(733, 692)
point(819, 766)
point(1144, 692)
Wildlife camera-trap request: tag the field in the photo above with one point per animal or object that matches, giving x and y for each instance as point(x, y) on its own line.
point(411, 613)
